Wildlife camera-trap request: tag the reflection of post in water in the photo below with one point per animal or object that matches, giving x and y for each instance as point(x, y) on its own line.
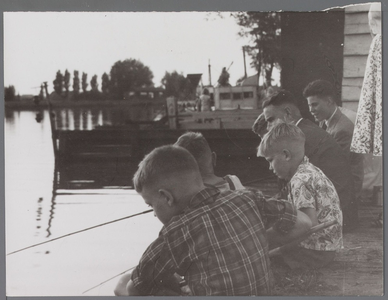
point(77, 118)
point(39, 215)
point(58, 119)
point(106, 117)
point(84, 119)
point(95, 114)
point(54, 193)
point(66, 118)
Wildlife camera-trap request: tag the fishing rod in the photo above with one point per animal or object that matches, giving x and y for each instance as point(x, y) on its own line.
point(108, 280)
point(103, 224)
point(273, 252)
point(260, 179)
point(281, 249)
point(82, 230)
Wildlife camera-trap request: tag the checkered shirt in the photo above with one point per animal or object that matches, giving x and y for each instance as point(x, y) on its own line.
point(218, 244)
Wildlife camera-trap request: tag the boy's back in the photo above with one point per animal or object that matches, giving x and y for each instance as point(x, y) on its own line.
point(218, 244)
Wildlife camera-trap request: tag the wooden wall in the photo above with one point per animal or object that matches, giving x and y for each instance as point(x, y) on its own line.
point(357, 41)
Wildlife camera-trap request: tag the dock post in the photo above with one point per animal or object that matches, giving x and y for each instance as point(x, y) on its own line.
point(172, 112)
point(52, 123)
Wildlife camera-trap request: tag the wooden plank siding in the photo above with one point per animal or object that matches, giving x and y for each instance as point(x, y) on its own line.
point(357, 41)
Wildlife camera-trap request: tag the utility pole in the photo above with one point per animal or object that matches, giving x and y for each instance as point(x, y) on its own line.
point(210, 74)
point(245, 64)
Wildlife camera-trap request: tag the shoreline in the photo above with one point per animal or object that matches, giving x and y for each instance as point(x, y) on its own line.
point(30, 105)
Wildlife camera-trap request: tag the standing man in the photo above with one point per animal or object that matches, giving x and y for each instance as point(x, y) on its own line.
point(321, 149)
point(321, 99)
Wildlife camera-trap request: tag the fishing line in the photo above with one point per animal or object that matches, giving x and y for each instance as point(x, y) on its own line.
point(260, 179)
point(108, 280)
point(82, 230)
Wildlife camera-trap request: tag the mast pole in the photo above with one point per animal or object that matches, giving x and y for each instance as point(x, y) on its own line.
point(210, 74)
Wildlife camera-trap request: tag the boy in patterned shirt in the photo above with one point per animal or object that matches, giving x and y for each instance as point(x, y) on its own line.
point(216, 240)
point(309, 190)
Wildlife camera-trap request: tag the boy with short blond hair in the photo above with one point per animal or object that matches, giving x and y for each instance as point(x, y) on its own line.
point(309, 190)
point(216, 240)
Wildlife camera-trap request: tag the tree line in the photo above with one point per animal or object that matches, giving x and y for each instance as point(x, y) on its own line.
point(264, 49)
point(125, 76)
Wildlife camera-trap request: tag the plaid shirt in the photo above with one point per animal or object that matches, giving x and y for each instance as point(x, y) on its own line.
point(218, 244)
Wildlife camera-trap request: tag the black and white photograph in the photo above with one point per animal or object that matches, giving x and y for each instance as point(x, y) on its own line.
point(194, 153)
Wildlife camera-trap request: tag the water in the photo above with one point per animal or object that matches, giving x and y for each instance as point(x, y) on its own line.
point(69, 266)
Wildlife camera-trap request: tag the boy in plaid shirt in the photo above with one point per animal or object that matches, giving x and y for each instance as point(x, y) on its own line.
point(216, 240)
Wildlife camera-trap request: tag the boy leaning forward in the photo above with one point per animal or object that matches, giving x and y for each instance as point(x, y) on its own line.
point(217, 241)
point(309, 190)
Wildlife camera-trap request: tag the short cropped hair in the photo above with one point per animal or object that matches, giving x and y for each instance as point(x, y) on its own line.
point(281, 132)
point(281, 97)
point(163, 162)
point(195, 143)
point(322, 88)
point(259, 125)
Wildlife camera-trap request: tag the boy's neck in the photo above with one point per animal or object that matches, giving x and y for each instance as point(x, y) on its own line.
point(294, 167)
point(211, 178)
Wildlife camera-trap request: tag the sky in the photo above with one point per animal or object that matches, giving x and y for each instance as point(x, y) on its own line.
point(38, 44)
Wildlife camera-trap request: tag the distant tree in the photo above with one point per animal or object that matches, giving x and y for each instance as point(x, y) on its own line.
point(105, 83)
point(58, 83)
point(176, 85)
point(223, 80)
point(76, 83)
point(94, 84)
point(84, 81)
point(127, 75)
point(264, 30)
point(9, 93)
point(66, 81)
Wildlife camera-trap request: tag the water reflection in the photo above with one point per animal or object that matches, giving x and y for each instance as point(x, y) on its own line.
point(79, 118)
point(44, 201)
point(52, 206)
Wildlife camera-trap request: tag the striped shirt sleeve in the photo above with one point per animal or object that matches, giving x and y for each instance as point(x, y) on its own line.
point(154, 268)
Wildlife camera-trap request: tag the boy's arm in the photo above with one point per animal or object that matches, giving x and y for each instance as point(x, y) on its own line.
point(154, 268)
point(312, 214)
point(301, 226)
point(121, 287)
point(131, 289)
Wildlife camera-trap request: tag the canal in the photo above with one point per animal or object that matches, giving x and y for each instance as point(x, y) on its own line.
point(38, 209)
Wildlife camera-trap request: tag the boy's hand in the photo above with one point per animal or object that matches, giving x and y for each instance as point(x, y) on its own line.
point(121, 287)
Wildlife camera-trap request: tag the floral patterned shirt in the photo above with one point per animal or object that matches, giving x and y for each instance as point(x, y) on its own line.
point(367, 136)
point(310, 188)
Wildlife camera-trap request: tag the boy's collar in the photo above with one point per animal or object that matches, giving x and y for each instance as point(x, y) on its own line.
point(201, 196)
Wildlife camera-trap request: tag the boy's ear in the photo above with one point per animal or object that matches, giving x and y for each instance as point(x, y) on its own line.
point(287, 109)
point(214, 159)
point(288, 115)
point(330, 100)
point(167, 196)
point(287, 154)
